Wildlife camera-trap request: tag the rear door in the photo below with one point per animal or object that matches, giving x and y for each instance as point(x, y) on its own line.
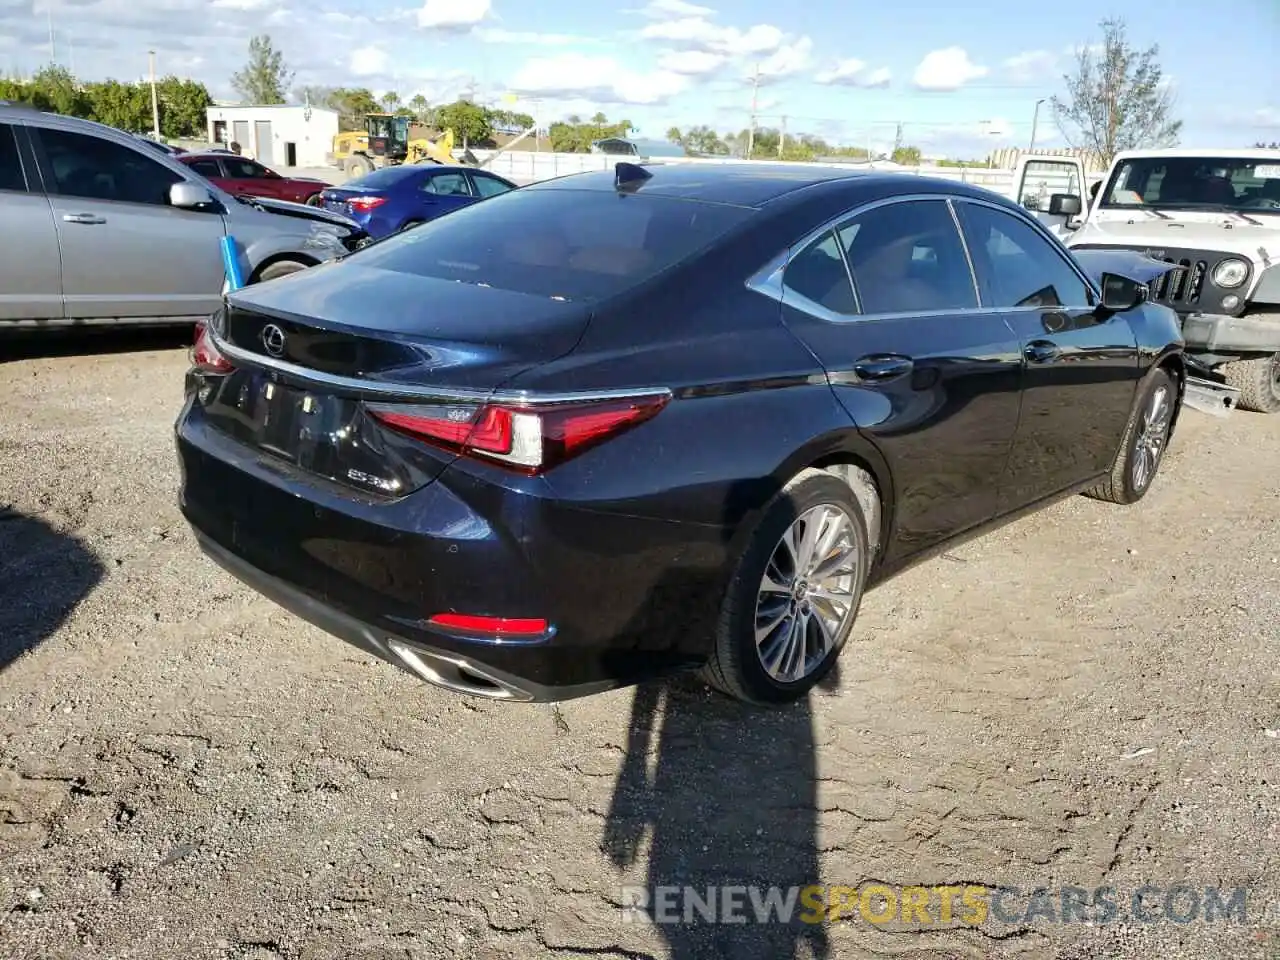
point(125, 251)
point(30, 266)
point(443, 192)
point(1081, 364)
point(930, 376)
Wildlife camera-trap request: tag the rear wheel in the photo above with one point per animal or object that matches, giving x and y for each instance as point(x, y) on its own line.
point(313, 200)
point(281, 268)
point(409, 225)
point(1258, 382)
point(1145, 440)
point(795, 594)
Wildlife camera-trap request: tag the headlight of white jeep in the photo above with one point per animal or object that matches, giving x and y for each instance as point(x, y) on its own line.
point(1230, 273)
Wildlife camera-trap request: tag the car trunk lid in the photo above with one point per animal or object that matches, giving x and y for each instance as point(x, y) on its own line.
point(302, 381)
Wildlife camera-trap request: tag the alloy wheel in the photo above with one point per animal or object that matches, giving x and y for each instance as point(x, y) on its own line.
point(808, 593)
point(1153, 434)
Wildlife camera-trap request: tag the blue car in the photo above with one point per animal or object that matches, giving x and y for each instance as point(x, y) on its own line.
point(395, 198)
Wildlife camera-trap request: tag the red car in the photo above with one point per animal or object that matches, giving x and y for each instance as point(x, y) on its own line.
point(244, 177)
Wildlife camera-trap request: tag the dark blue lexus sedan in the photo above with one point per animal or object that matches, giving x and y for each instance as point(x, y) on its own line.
point(619, 424)
point(395, 198)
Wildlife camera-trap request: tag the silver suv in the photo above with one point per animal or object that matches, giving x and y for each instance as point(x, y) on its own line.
point(100, 229)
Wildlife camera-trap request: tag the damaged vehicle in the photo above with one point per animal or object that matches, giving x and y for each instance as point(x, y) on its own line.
point(102, 229)
point(1214, 217)
point(623, 423)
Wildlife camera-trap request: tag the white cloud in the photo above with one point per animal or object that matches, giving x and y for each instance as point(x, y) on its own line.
point(1268, 117)
point(368, 61)
point(453, 15)
point(691, 63)
point(1031, 66)
point(595, 78)
point(242, 4)
point(665, 9)
point(494, 35)
point(947, 69)
point(788, 60)
point(853, 73)
point(697, 33)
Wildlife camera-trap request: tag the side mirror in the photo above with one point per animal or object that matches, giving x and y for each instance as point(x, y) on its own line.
point(1120, 293)
point(1065, 205)
point(189, 196)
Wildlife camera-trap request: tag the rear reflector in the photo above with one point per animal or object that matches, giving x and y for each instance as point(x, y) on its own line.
point(531, 439)
point(494, 626)
point(365, 204)
point(205, 356)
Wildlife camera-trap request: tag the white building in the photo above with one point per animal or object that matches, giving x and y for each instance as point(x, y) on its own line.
point(279, 135)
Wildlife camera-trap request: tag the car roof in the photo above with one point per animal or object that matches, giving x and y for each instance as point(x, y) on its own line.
point(204, 155)
point(1209, 153)
point(754, 184)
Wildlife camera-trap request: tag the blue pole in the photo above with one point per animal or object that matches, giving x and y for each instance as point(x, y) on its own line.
point(231, 263)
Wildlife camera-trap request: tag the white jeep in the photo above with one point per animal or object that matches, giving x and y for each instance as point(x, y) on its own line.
point(1215, 214)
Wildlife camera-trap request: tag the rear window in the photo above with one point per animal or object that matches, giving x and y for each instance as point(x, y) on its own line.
point(385, 177)
point(565, 244)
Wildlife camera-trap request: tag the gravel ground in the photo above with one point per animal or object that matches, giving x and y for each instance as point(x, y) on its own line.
point(1087, 697)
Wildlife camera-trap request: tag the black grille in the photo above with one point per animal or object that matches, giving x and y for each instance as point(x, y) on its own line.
point(1189, 286)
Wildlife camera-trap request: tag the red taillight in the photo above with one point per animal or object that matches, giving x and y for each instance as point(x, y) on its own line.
point(493, 626)
point(527, 438)
point(365, 204)
point(205, 356)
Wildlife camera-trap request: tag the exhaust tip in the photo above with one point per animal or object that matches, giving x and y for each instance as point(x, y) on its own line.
point(456, 674)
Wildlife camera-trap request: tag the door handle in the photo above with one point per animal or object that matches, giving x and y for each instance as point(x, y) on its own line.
point(82, 218)
point(1042, 351)
point(883, 366)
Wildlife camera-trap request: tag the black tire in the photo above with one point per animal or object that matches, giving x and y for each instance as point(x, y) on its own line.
point(1258, 382)
point(409, 225)
point(1129, 481)
point(313, 200)
point(735, 666)
point(281, 268)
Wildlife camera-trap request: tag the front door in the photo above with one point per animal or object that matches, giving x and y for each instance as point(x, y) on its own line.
point(1081, 368)
point(30, 268)
point(926, 373)
point(125, 251)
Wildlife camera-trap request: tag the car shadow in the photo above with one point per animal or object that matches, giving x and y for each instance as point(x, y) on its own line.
point(36, 343)
point(44, 574)
point(726, 795)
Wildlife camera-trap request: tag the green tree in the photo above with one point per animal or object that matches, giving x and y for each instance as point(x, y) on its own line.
point(1116, 99)
point(60, 91)
point(701, 139)
point(907, 156)
point(265, 77)
point(20, 92)
point(390, 101)
point(184, 105)
point(125, 106)
point(469, 121)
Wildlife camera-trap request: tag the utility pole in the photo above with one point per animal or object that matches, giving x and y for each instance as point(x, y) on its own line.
point(755, 91)
point(53, 54)
point(155, 101)
point(782, 137)
point(1035, 122)
point(897, 141)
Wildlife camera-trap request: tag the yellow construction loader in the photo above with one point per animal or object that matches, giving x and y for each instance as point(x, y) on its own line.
point(385, 142)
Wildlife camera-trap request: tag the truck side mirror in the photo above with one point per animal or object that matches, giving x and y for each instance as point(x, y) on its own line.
point(1065, 205)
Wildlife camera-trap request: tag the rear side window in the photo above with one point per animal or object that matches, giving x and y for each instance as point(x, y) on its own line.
point(99, 169)
point(818, 274)
point(488, 186)
point(11, 177)
point(447, 185)
point(206, 168)
point(563, 244)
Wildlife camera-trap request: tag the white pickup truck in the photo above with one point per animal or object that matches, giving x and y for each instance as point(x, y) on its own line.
point(1215, 214)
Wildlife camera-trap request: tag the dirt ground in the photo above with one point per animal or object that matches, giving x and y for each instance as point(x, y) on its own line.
point(1089, 697)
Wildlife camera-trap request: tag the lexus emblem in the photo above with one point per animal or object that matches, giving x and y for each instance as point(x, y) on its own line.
point(273, 340)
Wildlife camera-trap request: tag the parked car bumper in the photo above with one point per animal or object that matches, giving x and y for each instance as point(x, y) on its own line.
point(1219, 333)
point(625, 598)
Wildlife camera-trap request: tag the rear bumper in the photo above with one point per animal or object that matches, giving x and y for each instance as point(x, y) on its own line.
point(1219, 333)
point(628, 599)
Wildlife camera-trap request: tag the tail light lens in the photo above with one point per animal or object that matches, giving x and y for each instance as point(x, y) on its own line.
point(205, 356)
point(531, 439)
point(365, 204)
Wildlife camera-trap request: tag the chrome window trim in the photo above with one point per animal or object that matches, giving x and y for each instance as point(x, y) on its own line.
point(1058, 246)
point(767, 281)
point(402, 391)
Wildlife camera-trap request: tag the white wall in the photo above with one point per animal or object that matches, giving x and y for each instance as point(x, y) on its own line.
point(313, 137)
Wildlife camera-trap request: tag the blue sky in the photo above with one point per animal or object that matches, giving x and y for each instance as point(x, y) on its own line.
point(959, 78)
